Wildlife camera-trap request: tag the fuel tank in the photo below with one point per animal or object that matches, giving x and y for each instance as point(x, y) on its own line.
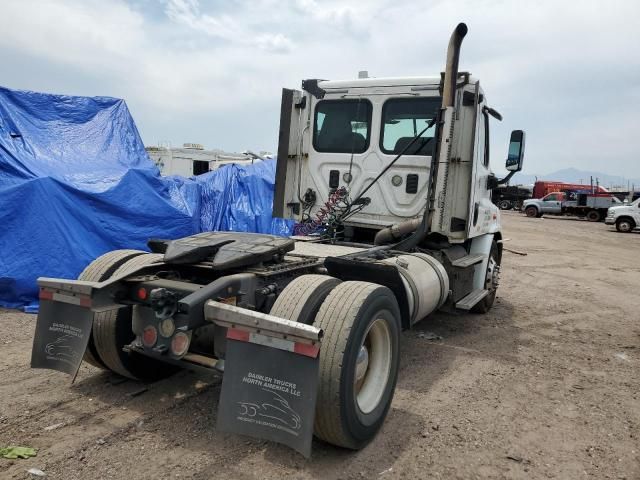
point(425, 281)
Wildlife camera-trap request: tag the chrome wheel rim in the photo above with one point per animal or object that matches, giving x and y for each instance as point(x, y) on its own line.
point(492, 279)
point(373, 366)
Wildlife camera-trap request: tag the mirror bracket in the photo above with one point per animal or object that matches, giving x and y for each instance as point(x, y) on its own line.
point(507, 178)
point(493, 181)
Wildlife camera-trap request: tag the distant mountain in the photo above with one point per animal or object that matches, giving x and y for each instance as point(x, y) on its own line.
point(573, 175)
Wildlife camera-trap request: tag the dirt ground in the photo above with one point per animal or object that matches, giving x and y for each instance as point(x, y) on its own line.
point(543, 386)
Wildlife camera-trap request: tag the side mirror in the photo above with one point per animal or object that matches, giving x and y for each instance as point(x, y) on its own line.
point(516, 151)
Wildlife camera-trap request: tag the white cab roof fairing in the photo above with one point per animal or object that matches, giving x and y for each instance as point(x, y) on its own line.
point(383, 82)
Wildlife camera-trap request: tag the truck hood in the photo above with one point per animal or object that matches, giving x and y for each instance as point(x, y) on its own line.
point(620, 208)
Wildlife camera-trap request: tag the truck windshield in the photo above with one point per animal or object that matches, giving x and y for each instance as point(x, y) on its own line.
point(342, 126)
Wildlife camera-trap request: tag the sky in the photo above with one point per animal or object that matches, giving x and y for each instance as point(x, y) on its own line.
point(211, 72)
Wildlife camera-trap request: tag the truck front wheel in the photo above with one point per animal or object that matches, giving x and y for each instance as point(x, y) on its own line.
point(625, 225)
point(531, 212)
point(358, 362)
point(492, 279)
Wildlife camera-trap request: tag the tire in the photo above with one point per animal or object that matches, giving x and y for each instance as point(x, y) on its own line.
point(349, 412)
point(97, 271)
point(625, 225)
point(593, 216)
point(302, 298)
point(504, 205)
point(531, 212)
point(112, 331)
point(491, 280)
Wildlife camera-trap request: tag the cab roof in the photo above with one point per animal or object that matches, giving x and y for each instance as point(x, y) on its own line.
point(379, 82)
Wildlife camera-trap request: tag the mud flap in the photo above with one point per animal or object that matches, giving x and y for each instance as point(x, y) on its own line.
point(61, 337)
point(269, 389)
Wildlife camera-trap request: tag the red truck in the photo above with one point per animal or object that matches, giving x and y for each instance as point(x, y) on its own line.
point(542, 188)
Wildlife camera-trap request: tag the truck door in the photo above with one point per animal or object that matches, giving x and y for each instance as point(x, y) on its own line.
point(292, 118)
point(482, 211)
point(552, 203)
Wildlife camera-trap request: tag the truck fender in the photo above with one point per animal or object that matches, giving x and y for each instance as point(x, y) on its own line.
point(482, 245)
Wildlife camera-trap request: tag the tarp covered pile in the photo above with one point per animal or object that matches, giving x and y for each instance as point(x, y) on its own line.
point(76, 181)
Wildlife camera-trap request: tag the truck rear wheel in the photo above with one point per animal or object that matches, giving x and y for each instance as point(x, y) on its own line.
point(625, 225)
point(593, 216)
point(505, 205)
point(112, 331)
point(97, 271)
point(358, 362)
point(531, 212)
point(302, 298)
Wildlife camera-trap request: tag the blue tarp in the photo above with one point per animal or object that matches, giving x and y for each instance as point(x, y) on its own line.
point(76, 182)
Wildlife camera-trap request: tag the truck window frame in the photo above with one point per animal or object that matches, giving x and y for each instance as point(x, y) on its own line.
point(369, 113)
point(486, 160)
point(437, 101)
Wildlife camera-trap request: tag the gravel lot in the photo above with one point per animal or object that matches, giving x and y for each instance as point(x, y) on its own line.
point(543, 386)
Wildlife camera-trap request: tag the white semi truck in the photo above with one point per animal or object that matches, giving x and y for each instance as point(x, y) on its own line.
point(390, 184)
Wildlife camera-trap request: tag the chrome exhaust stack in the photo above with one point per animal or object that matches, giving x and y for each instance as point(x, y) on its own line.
point(451, 69)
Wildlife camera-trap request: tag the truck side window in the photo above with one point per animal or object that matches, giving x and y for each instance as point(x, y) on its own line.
point(403, 119)
point(485, 116)
point(342, 126)
point(551, 198)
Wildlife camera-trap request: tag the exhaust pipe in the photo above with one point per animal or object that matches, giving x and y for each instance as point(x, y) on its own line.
point(451, 71)
point(389, 234)
point(395, 232)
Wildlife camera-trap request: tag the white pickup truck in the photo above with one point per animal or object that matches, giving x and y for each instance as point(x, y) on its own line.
point(624, 217)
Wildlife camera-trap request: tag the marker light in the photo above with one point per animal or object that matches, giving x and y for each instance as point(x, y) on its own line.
point(149, 336)
point(167, 327)
point(180, 344)
point(142, 293)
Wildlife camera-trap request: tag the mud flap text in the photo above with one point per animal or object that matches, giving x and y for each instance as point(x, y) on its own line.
point(270, 394)
point(62, 335)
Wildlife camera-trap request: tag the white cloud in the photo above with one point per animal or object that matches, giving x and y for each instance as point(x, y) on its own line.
point(224, 27)
point(211, 72)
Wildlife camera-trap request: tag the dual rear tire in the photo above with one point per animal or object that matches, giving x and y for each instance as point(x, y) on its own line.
point(112, 329)
point(594, 216)
point(359, 356)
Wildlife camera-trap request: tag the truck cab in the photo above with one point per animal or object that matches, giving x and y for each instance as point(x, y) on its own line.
point(340, 135)
point(626, 218)
point(551, 203)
